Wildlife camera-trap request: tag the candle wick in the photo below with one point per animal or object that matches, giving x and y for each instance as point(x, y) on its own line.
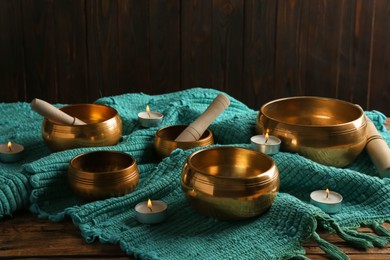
point(327, 195)
point(150, 208)
point(266, 140)
point(148, 114)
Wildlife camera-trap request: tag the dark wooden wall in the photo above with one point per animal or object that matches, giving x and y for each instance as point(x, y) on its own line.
point(73, 51)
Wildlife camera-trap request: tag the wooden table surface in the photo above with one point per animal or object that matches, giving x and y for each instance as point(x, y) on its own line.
point(24, 236)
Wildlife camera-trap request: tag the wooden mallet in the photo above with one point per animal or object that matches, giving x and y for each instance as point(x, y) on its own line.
point(195, 130)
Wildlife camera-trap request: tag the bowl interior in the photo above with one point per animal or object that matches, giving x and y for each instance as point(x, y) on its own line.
point(90, 113)
point(230, 162)
point(170, 133)
point(102, 161)
point(311, 111)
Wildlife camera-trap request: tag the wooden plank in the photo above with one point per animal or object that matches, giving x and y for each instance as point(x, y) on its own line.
point(259, 52)
point(321, 49)
point(26, 236)
point(22, 237)
point(354, 51)
point(40, 49)
point(165, 46)
point(11, 52)
point(227, 47)
point(132, 54)
point(102, 46)
point(379, 92)
point(196, 38)
point(55, 51)
point(70, 50)
point(288, 56)
point(319, 45)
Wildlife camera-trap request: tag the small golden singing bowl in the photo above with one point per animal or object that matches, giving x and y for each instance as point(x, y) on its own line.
point(103, 174)
point(230, 183)
point(164, 140)
point(104, 128)
point(329, 131)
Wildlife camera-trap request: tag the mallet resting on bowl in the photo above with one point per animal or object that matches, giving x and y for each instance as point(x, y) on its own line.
point(196, 129)
point(51, 112)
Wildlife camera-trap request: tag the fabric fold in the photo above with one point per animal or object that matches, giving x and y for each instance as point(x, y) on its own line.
point(278, 233)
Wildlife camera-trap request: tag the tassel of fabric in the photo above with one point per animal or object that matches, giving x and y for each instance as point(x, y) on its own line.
point(380, 230)
point(333, 251)
point(350, 237)
point(376, 240)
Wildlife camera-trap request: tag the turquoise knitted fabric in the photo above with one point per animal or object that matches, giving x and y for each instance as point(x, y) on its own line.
point(276, 234)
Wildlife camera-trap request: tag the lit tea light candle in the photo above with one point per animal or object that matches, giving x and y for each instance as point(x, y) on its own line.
point(149, 212)
point(328, 201)
point(11, 152)
point(148, 118)
point(267, 144)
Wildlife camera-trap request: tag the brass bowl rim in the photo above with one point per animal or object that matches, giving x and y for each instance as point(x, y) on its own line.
point(158, 134)
point(313, 97)
point(133, 162)
point(88, 124)
point(273, 164)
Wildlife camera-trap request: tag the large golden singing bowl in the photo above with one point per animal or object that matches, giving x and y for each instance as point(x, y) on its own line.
point(103, 174)
point(104, 128)
point(164, 140)
point(329, 131)
point(230, 183)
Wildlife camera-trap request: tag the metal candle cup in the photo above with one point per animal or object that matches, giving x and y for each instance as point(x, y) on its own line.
point(270, 145)
point(150, 119)
point(11, 152)
point(151, 215)
point(329, 203)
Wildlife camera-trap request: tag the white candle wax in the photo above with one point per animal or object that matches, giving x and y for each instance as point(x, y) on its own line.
point(11, 154)
point(149, 119)
point(152, 215)
point(268, 146)
point(330, 203)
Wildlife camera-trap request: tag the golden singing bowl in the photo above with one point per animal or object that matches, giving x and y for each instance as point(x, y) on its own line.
point(103, 174)
point(164, 140)
point(230, 183)
point(104, 128)
point(329, 131)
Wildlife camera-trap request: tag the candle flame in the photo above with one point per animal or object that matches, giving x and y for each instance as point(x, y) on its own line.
point(150, 204)
point(327, 193)
point(10, 146)
point(266, 136)
point(148, 110)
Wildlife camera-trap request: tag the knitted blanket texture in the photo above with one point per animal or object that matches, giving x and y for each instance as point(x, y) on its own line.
point(39, 182)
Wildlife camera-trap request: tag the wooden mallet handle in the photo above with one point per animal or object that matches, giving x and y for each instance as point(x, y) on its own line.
point(378, 150)
point(195, 130)
point(51, 112)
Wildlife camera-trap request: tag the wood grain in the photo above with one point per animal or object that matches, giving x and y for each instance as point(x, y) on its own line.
point(196, 43)
point(103, 44)
point(255, 50)
point(379, 85)
point(25, 236)
point(55, 50)
point(354, 55)
point(227, 47)
point(165, 45)
point(259, 52)
point(12, 80)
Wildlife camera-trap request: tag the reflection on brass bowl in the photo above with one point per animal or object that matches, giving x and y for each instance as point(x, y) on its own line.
point(104, 128)
point(103, 174)
point(164, 141)
point(329, 131)
point(230, 183)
